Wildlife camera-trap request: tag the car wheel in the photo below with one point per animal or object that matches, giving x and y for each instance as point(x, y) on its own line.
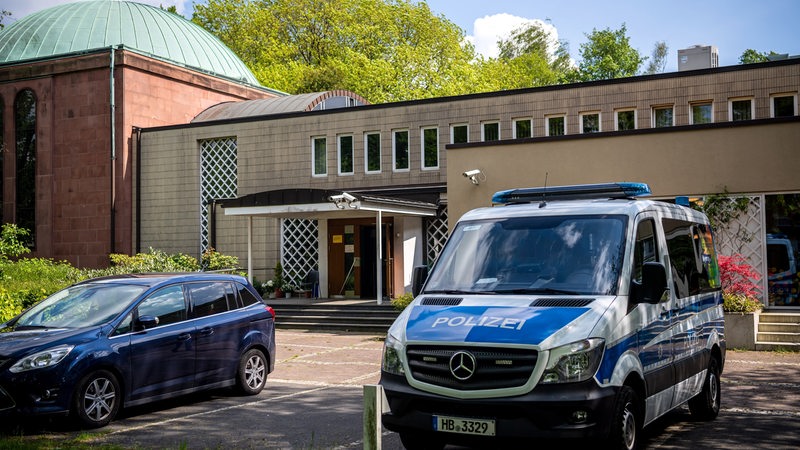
point(627, 421)
point(97, 400)
point(705, 405)
point(420, 441)
point(252, 375)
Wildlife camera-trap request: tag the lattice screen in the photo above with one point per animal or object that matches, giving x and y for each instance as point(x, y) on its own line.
point(218, 178)
point(299, 248)
point(745, 235)
point(435, 236)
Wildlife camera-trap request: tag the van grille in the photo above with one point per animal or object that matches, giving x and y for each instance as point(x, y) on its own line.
point(562, 302)
point(495, 368)
point(442, 301)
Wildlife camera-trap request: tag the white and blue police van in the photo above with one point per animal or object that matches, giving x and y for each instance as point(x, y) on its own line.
point(563, 312)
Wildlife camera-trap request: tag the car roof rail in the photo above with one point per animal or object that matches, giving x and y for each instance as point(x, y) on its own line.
point(573, 192)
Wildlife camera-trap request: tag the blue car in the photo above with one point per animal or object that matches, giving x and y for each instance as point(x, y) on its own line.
point(102, 344)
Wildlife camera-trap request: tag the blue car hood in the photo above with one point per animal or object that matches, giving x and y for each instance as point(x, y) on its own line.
point(28, 341)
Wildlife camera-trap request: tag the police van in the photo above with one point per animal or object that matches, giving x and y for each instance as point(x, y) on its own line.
point(562, 312)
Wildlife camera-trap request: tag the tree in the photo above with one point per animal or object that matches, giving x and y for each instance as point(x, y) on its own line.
point(658, 60)
point(751, 56)
point(403, 51)
point(608, 54)
point(3, 15)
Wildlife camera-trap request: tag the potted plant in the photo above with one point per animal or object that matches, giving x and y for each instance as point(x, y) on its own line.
point(278, 280)
point(740, 301)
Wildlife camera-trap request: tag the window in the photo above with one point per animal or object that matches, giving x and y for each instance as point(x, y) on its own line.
point(345, 155)
point(783, 105)
point(646, 248)
point(430, 148)
point(663, 116)
point(740, 109)
point(626, 119)
point(167, 305)
point(523, 128)
point(320, 156)
point(702, 112)
point(372, 152)
point(245, 296)
point(556, 125)
point(459, 134)
point(25, 132)
point(490, 131)
point(400, 150)
point(208, 298)
point(691, 253)
point(590, 122)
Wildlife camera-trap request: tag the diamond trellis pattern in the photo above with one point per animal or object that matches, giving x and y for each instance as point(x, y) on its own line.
point(745, 235)
point(435, 236)
point(299, 249)
point(218, 178)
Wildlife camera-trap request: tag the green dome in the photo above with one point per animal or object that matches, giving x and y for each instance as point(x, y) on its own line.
point(81, 26)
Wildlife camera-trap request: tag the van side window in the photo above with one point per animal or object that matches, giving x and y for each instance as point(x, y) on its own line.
point(646, 248)
point(208, 298)
point(690, 254)
point(166, 304)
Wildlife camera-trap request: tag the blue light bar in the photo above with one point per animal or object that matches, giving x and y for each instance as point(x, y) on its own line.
point(574, 192)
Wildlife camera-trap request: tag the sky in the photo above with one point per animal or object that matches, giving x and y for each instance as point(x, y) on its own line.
point(733, 26)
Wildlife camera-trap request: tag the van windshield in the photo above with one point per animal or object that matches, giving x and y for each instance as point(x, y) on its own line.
point(530, 255)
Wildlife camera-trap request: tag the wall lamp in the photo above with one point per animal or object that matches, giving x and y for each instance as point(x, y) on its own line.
point(475, 176)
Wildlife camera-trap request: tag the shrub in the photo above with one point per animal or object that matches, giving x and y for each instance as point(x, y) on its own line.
point(12, 240)
point(29, 280)
point(739, 289)
point(154, 261)
point(213, 260)
point(402, 301)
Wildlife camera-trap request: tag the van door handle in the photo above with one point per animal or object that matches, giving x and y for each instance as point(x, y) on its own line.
point(207, 331)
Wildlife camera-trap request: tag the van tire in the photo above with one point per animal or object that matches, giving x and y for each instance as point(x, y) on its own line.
point(252, 374)
point(419, 440)
point(626, 425)
point(705, 405)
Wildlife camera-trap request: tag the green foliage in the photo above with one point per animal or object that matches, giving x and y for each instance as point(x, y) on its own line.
point(722, 211)
point(12, 241)
point(213, 260)
point(607, 55)
point(27, 281)
point(658, 60)
point(403, 51)
point(740, 303)
point(751, 56)
point(154, 261)
point(402, 301)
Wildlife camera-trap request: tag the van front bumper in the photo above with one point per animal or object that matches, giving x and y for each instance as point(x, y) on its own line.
point(575, 410)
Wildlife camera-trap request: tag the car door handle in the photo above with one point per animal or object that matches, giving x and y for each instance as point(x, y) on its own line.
point(184, 336)
point(207, 331)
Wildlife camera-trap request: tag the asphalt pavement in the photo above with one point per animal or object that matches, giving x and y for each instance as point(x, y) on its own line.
point(314, 400)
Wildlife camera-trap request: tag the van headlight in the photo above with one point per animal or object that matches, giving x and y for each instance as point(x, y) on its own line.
point(40, 360)
point(392, 349)
point(573, 362)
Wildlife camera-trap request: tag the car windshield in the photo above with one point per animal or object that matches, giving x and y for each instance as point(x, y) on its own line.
point(83, 305)
point(530, 255)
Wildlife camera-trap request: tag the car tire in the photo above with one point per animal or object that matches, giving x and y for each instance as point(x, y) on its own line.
point(420, 440)
point(252, 374)
point(97, 400)
point(705, 405)
point(626, 423)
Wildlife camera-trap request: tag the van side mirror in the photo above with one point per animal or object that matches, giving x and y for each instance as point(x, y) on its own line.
point(654, 282)
point(418, 278)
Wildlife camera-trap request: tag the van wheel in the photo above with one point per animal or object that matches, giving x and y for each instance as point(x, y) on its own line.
point(97, 400)
point(626, 423)
point(420, 441)
point(705, 405)
point(252, 374)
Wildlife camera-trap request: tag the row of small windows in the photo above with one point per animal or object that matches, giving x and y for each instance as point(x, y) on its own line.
point(25, 151)
point(781, 105)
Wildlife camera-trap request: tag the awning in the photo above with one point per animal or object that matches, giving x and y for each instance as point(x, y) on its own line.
point(324, 204)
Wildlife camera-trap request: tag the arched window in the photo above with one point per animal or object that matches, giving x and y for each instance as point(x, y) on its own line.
point(25, 131)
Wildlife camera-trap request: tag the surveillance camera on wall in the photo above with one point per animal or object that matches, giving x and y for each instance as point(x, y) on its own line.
point(471, 173)
point(348, 197)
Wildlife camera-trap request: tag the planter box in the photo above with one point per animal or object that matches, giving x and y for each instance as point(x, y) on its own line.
point(740, 330)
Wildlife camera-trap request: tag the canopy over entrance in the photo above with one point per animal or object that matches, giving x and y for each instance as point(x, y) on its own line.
point(334, 204)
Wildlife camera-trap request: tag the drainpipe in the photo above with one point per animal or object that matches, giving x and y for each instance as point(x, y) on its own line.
point(112, 235)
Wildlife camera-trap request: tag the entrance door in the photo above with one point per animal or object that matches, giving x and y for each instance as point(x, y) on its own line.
point(353, 258)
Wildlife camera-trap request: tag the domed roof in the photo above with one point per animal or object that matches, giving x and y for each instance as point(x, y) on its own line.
point(81, 26)
point(314, 101)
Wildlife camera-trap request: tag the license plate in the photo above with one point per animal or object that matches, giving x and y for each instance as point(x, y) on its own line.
point(463, 425)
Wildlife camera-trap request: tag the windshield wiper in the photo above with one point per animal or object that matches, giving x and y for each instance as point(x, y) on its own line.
point(538, 291)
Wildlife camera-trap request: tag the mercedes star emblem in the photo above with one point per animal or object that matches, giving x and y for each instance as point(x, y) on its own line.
point(463, 365)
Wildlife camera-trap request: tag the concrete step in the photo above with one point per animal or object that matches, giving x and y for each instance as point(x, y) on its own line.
point(777, 346)
point(371, 318)
point(791, 338)
point(779, 317)
point(779, 327)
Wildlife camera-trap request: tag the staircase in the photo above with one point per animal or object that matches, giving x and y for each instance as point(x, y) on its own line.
point(365, 317)
point(778, 330)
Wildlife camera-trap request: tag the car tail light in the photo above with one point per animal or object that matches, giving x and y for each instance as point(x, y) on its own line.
point(271, 311)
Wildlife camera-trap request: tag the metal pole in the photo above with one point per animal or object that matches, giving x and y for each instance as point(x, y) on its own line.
point(250, 248)
point(379, 252)
point(373, 409)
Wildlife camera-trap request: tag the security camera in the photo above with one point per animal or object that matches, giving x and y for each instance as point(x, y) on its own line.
point(348, 197)
point(471, 173)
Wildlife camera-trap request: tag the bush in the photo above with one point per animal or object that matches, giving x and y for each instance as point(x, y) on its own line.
point(213, 260)
point(154, 261)
point(12, 240)
point(30, 280)
point(739, 289)
point(402, 301)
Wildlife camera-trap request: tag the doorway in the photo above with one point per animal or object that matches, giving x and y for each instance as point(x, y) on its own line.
point(352, 254)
